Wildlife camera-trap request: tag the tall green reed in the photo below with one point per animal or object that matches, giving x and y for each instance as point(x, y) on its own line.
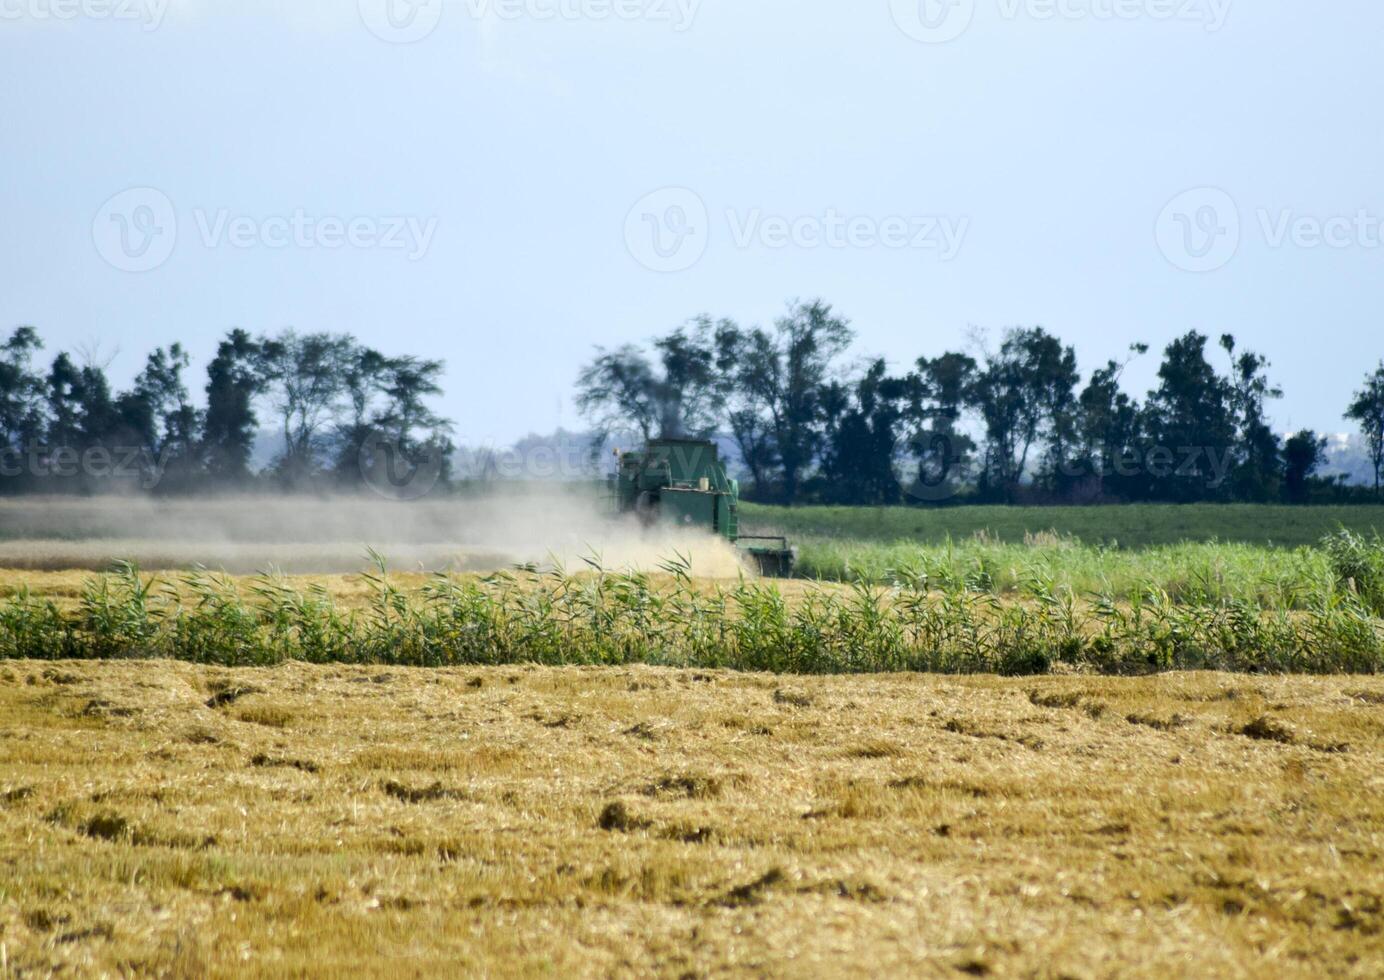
point(929, 617)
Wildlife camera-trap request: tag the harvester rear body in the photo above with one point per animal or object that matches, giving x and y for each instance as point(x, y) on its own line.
point(683, 483)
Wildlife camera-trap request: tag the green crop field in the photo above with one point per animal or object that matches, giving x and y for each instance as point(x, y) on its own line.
point(1122, 526)
point(1200, 551)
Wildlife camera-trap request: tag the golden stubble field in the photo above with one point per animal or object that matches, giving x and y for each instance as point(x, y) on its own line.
point(168, 819)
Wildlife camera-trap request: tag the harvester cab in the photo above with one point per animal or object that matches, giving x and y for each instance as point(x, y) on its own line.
point(683, 483)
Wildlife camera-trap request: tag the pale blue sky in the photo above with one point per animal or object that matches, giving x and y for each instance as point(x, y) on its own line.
point(1047, 147)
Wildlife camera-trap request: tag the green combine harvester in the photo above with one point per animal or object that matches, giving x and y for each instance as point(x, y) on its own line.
point(683, 483)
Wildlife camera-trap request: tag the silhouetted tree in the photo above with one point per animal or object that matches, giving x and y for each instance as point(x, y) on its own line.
point(406, 419)
point(1189, 416)
point(1108, 430)
point(1025, 394)
point(306, 378)
point(747, 365)
point(21, 391)
point(863, 422)
point(783, 377)
point(681, 397)
point(90, 431)
point(1303, 454)
point(1367, 411)
point(234, 379)
point(63, 391)
point(941, 450)
point(159, 415)
point(363, 379)
point(1259, 465)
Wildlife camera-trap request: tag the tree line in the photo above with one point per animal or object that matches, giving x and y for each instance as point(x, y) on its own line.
point(1016, 422)
point(331, 400)
point(1012, 423)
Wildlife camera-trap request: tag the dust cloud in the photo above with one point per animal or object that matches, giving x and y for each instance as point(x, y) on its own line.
point(306, 535)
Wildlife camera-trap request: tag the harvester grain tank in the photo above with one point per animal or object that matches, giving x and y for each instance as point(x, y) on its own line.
point(683, 483)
